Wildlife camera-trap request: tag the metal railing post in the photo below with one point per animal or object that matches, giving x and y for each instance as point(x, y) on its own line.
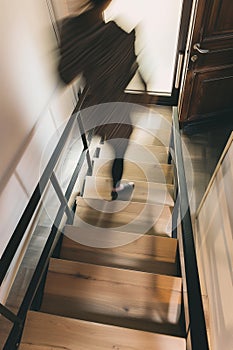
point(62, 198)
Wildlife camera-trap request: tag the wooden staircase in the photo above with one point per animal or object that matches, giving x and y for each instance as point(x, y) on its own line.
point(116, 284)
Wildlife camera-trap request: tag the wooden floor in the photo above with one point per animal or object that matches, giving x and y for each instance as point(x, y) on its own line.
point(204, 149)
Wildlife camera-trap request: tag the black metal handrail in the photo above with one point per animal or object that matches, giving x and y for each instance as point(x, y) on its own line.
point(197, 325)
point(19, 232)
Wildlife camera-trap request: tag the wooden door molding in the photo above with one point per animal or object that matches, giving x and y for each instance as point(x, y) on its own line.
point(220, 23)
point(209, 80)
point(214, 88)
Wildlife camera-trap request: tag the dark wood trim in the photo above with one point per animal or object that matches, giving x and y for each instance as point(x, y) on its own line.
point(197, 126)
point(146, 98)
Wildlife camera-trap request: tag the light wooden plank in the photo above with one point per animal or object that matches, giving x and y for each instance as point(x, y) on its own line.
point(147, 253)
point(154, 137)
point(159, 173)
point(155, 247)
point(111, 295)
point(149, 117)
point(149, 192)
point(123, 216)
point(137, 153)
point(47, 332)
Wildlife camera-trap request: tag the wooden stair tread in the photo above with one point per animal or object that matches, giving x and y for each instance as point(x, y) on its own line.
point(154, 137)
point(45, 332)
point(147, 253)
point(121, 297)
point(150, 118)
point(124, 216)
point(149, 192)
point(159, 173)
point(137, 153)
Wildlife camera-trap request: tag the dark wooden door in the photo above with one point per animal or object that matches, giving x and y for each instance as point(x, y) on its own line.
point(208, 86)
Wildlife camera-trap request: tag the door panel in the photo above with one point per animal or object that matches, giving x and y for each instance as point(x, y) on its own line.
point(220, 19)
point(209, 81)
point(214, 90)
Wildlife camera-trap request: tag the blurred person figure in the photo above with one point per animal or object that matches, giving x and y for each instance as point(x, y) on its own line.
point(105, 55)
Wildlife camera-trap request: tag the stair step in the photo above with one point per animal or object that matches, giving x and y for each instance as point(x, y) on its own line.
point(146, 253)
point(43, 332)
point(159, 173)
point(123, 216)
point(154, 137)
point(149, 192)
point(152, 117)
point(137, 153)
point(109, 295)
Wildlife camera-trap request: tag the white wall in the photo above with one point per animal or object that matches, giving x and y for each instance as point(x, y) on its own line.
point(157, 27)
point(33, 105)
point(27, 67)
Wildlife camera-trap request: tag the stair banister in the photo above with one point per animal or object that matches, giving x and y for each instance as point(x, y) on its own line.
point(19, 232)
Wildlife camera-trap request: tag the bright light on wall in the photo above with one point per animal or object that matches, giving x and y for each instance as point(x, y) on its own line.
point(157, 28)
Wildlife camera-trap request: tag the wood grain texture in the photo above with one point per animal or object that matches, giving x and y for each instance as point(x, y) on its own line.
point(49, 332)
point(147, 253)
point(123, 216)
point(111, 295)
